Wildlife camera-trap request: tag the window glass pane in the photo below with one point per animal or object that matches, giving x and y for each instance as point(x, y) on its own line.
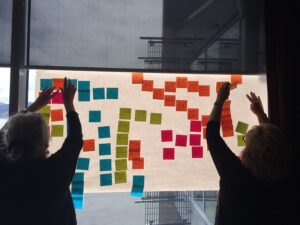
point(4, 95)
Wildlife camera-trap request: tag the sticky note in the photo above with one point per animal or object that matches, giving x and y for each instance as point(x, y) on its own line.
point(240, 140)
point(195, 126)
point(83, 164)
point(219, 85)
point(195, 139)
point(227, 133)
point(57, 99)
point(166, 135)
point(121, 164)
point(98, 93)
point(57, 115)
point(78, 177)
point(45, 83)
point(193, 113)
point(125, 113)
point(197, 152)
point(58, 83)
point(181, 82)
point(137, 163)
point(105, 164)
point(134, 145)
point(241, 127)
point(57, 130)
point(137, 78)
point(112, 93)
point(105, 149)
point(88, 145)
point(123, 126)
point(74, 82)
point(193, 86)
point(204, 132)
point(181, 105)
point(84, 96)
point(45, 112)
point(170, 86)
point(140, 115)
point(120, 177)
point(155, 118)
point(170, 100)
point(133, 154)
point(121, 152)
point(158, 93)
point(83, 85)
point(147, 85)
point(94, 116)
point(181, 140)
point(106, 179)
point(77, 201)
point(227, 104)
point(122, 139)
point(138, 183)
point(104, 132)
point(77, 187)
point(236, 79)
point(205, 119)
point(168, 153)
point(204, 90)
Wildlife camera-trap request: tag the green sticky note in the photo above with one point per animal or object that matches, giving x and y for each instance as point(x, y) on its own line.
point(140, 115)
point(240, 140)
point(122, 139)
point(125, 113)
point(123, 126)
point(241, 127)
point(155, 118)
point(57, 130)
point(121, 164)
point(121, 152)
point(120, 177)
point(45, 112)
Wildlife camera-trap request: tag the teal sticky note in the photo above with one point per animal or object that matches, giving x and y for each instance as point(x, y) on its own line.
point(74, 82)
point(77, 201)
point(241, 127)
point(138, 186)
point(83, 164)
point(98, 93)
point(105, 164)
point(155, 118)
point(140, 115)
point(84, 96)
point(112, 93)
point(104, 132)
point(78, 177)
point(105, 149)
point(83, 85)
point(94, 116)
point(123, 126)
point(125, 113)
point(105, 179)
point(77, 188)
point(45, 83)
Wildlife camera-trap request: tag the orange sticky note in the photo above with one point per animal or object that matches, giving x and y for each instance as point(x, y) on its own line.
point(147, 85)
point(226, 117)
point(219, 85)
point(134, 145)
point(138, 163)
point(226, 111)
point(227, 104)
point(181, 82)
point(170, 86)
point(88, 145)
point(204, 132)
point(57, 115)
point(137, 78)
point(181, 105)
point(134, 154)
point(170, 100)
point(158, 93)
point(58, 83)
point(227, 133)
point(204, 90)
point(236, 79)
point(193, 114)
point(193, 86)
point(205, 120)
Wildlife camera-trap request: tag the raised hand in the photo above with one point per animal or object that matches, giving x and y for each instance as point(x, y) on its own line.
point(43, 99)
point(68, 93)
point(223, 93)
point(255, 104)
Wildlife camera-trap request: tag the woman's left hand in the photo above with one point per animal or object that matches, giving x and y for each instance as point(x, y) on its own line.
point(43, 99)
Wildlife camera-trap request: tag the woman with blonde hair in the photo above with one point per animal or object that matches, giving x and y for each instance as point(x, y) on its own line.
point(251, 187)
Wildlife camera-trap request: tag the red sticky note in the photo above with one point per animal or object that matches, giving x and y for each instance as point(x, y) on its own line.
point(147, 85)
point(88, 145)
point(225, 112)
point(181, 140)
point(193, 86)
point(197, 152)
point(219, 85)
point(166, 135)
point(227, 104)
point(168, 153)
point(204, 90)
point(57, 115)
point(138, 163)
point(181, 105)
point(195, 126)
point(133, 154)
point(204, 132)
point(137, 78)
point(170, 86)
point(226, 117)
point(58, 98)
point(227, 133)
point(158, 93)
point(236, 79)
point(195, 139)
point(58, 83)
point(170, 100)
point(193, 113)
point(181, 82)
point(205, 120)
point(134, 145)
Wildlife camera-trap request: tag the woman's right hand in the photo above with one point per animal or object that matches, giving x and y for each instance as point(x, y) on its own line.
point(68, 93)
point(256, 104)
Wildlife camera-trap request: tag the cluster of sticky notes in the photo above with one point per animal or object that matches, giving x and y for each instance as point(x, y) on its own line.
point(45, 112)
point(135, 154)
point(195, 138)
point(83, 91)
point(141, 116)
point(111, 93)
point(138, 183)
point(241, 128)
point(77, 189)
point(226, 120)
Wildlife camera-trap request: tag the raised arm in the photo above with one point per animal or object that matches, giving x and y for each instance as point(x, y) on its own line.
point(257, 108)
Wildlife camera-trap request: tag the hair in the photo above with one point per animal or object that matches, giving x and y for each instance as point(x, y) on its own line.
point(267, 154)
point(27, 136)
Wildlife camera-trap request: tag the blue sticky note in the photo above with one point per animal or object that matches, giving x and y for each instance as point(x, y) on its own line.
point(112, 93)
point(98, 93)
point(74, 82)
point(77, 201)
point(104, 132)
point(138, 186)
point(83, 86)
point(84, 96)
point(78, 177)
point(105, 164)
point(105, 179)
point(45, 83)
point(105, 149)
point(94, 116)
point(83, 164)
point(77, 189)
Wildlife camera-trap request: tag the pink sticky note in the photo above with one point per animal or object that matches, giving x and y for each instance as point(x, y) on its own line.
point(195, 139)
point(197, 152)
point(195, 126)
point(168, 153)
point(57, 99)
point(166, 135)
point(181, 140)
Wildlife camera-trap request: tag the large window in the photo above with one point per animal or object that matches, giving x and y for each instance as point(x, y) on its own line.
point(4, 95)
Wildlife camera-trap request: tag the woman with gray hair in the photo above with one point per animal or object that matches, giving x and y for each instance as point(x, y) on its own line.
point(35, 187)
point(251, 187)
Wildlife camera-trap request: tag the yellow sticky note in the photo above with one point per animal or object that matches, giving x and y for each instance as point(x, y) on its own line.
point(120, 177)
point(121, 164)
point(57, 130)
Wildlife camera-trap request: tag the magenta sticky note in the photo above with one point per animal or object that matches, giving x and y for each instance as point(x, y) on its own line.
point(195, 139)
point(57, 99)
point(166, 135)
point(181, 140)
point(197, 152)
point(168, 153)
point(195, 126)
